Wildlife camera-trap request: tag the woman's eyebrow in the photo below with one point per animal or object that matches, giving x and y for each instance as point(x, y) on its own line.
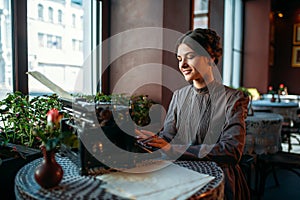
point(190, 52)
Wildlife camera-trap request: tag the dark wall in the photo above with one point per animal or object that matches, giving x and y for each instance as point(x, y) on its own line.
point(137, 16)
point(260, 45)
point(176, 16)
point(256, 44)
point(282, 70)
point(216, 22)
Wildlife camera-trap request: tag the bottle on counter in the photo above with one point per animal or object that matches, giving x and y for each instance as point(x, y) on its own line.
point(285, 91)
point(270, 89)
point(272, 92)
point(281, 89)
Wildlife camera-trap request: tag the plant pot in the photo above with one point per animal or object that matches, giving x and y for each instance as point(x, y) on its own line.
point(49, 173)
point(13, 157)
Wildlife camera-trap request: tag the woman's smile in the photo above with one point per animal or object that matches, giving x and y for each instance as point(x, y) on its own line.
point(186, 72)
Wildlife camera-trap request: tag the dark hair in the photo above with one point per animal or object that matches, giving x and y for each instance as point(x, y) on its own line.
point(203, 42)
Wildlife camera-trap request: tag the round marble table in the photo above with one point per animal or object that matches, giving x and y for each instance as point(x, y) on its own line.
point(269, 104)
point(75, 186)
point(287, 109)
point(263, 133)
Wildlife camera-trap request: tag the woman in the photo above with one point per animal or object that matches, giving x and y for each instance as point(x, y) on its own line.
point(205, 120)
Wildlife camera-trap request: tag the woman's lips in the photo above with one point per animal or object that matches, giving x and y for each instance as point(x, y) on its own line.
point(186, 72)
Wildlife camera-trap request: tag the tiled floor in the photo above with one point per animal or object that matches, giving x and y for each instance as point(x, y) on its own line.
point(289, 188)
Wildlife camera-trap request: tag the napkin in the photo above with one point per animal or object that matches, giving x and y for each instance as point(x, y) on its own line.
point(165, 181)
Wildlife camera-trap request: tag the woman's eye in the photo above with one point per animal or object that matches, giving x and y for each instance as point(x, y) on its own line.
point(179, 58)
point(190, 56)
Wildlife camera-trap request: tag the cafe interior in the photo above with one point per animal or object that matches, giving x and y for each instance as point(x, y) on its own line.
point(75, 49)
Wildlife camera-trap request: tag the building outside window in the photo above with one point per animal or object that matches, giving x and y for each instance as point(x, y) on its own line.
point(63, 58)
point(201, 11)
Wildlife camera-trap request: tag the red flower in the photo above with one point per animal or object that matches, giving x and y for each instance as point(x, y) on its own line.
point(54, 117)
point(281, 85)
point(51, 135)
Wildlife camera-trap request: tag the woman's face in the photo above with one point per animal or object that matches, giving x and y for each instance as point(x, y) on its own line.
point(194, 67)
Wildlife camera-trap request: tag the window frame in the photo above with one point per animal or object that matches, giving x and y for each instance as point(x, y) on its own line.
point(20, 43)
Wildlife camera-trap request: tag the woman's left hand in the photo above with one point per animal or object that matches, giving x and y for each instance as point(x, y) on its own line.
point(152, 139)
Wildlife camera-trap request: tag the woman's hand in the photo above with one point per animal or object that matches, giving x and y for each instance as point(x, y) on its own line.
point(143, 134)
point(152, 139)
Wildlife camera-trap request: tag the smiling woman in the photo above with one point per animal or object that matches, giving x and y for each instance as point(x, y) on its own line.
point(205, 120)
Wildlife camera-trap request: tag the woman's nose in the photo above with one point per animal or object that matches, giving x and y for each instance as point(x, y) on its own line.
point(183, 64)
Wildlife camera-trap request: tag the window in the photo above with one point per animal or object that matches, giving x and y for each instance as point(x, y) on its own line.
point(41, 38)
point(62, 60)
point(59, 16)
point(79, 2)
point(80, 48)
point(201, 8)
point(81, 21)
point(6, 84)
point(49, 41)
point(76, 45)
point(73, 20)
point(73, 44)
point(40, 12)
point(57, 42)
point(50, 14)
point(54, 41)
point(233, 44)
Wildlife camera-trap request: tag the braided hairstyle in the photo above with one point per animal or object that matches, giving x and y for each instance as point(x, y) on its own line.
point(203, 42)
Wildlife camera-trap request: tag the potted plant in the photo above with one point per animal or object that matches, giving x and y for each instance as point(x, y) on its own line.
point(19, 115)
point(140, 107)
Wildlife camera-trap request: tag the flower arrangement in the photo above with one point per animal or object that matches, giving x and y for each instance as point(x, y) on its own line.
point(53, 134)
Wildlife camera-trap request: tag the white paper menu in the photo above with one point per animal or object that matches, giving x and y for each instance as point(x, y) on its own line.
point(170, 182)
